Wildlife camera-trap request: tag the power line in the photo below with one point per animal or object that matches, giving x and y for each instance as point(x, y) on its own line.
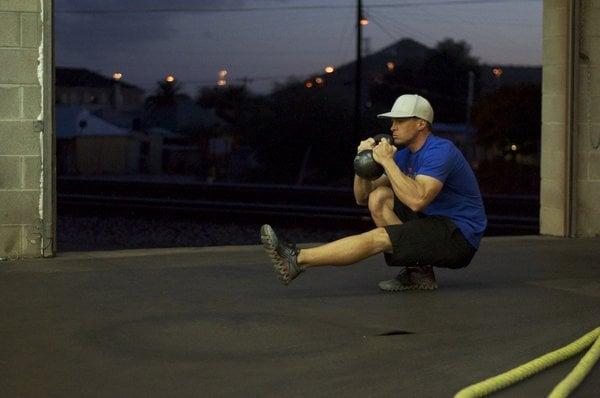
point(282, 8)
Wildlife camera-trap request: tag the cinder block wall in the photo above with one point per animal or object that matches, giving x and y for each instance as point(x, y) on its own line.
point(20, 128)
point(554, 117)
point(588, 122)
point(585, 216)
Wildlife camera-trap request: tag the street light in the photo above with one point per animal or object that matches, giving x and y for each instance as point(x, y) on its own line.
point(117, 75)
point(329, 69)
point(170, 79)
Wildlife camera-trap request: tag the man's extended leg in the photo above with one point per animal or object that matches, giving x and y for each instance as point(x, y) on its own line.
point(289, 261)
point(346, 251)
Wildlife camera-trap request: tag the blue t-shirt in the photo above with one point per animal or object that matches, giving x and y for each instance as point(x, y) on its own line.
point(460, 198)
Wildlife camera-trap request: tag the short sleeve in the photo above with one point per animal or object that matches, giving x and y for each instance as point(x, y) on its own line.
point(437, 163)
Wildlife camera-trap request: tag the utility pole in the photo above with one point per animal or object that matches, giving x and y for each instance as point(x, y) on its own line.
point(357, 78)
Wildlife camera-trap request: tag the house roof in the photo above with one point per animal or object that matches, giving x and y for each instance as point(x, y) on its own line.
point(77, 121)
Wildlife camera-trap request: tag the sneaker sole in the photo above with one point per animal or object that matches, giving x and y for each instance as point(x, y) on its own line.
point(411, 287)
point(267, 238)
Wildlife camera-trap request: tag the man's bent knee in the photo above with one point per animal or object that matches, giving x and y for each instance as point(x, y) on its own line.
point(379, 198)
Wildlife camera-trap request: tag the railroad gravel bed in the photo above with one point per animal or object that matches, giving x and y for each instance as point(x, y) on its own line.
point(83, 233)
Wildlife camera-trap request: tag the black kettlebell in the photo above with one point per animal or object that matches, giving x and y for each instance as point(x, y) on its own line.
point(365, 166)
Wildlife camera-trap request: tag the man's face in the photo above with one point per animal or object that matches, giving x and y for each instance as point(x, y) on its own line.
point(404, 130)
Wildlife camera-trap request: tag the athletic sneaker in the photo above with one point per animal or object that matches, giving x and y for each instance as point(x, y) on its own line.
point(411, 278)
point(283, 254)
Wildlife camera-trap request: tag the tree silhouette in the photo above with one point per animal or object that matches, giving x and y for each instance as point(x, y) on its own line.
point(161, 106)
point(442, 77)
point(510, 116)
point(165, 95)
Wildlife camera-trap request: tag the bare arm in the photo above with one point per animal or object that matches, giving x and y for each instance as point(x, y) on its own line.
point(362, 188)
point(415, 193)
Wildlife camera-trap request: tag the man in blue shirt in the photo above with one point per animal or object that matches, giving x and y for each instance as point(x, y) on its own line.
point(427, 208)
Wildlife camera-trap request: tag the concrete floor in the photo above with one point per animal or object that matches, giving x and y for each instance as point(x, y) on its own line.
point(216, 322)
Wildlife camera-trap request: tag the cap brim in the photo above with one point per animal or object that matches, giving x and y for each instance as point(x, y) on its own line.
point(391, 115)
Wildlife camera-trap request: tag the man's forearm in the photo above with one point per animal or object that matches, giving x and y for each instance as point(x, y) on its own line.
point(362, 189)
point(405, 188)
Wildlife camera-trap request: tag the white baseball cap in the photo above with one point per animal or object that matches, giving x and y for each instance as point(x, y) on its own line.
point(409, 105)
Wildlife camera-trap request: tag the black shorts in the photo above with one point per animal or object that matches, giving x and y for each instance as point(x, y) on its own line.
point(426, 240)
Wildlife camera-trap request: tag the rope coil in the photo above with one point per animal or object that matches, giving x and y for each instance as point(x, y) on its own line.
point(564, 388)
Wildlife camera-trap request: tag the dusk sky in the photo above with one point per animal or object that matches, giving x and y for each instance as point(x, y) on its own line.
point(270, 40)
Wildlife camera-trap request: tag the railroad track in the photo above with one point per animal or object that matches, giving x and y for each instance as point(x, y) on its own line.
point(241, 202)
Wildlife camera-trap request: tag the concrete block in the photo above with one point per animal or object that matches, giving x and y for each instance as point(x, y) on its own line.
point(554, 108)
point(590, 27)
point(594, 136)
point(19, 138)
point(31, 172)
point(10, 103)
point(552, 193)
point(581, 165)
point(594, 167)
point(582, 222)
point(588, 194)
point(18, 66)
point(553, 137)
point(31, 102)
point(554, 80)
point(593, 103)
point(582, 141)
point(554, 50)
point(10, 240)
point(553, 165)
point(551, 221)
point(31, 30)
point(593, 223)
point(19, 207)
point(584, 105)
point(11, 172)
point(20, 5)
point(554, 21)
point(592, 50)
point(593, 79)
point(31, 239)
point(554, 4)
point(9, 29)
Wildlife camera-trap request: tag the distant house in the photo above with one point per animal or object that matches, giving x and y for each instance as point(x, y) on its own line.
point(79, 86)
point(196, 140)
point(104, 127)
point(87, 144)
point(163, 151)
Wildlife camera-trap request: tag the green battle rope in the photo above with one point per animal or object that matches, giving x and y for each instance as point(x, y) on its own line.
point(564, 388)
